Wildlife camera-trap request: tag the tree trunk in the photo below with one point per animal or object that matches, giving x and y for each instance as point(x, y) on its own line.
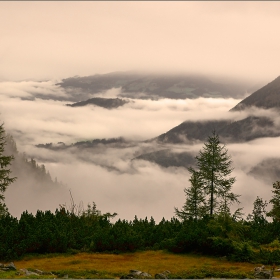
point(212, 194)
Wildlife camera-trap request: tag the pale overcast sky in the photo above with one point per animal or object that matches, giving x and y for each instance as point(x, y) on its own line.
point(53, 40)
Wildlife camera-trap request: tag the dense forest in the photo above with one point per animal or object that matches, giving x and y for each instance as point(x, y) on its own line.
point(204, 225)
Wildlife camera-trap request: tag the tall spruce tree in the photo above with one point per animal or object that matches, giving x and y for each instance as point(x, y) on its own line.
point(214, 167)
point(259, 212)
point(5, 161)
point(275, 201)
point(194, 206)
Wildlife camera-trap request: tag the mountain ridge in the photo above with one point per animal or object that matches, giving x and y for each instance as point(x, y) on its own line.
point(108, 103)
point(267, 97)
point(153, 86)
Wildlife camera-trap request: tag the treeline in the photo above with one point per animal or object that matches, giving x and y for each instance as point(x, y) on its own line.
point(28, 171)
point(65, 232)
point(204, 225)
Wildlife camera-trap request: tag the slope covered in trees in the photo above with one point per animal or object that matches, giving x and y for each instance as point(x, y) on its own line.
point(108, 103)
point(266, 97)
point(27, 170)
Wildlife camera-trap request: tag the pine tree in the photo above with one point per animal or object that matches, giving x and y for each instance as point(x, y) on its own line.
point(214, 167)
point(5, 161)
point(275, 201)
point(259, 212)
point(194, 206)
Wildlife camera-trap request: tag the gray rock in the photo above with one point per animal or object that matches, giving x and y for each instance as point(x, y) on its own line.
point(27, 272)
point(10, 266)
point(1, 265)
point(259, 268)
point(40, 272)
point(127, 276)
point(136, 274)
point(162, 275)
point(22, 271)
point(145, 275)
point(264, 274)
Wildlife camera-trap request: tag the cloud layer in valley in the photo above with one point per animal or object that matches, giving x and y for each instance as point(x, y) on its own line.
point(43, 41)
point(43, 121)
point(106, 174)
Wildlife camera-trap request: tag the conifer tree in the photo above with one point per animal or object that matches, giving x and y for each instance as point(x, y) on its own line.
point(194, 206)
point(275, 201)
point(5, 161)
point(259, 212)
point(214, 167)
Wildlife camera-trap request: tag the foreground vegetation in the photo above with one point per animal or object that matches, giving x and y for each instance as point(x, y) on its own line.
point(204, 226)
point(102, 265)
point(256, 240)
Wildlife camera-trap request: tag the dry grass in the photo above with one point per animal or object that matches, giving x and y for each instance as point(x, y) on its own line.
point(148, 261)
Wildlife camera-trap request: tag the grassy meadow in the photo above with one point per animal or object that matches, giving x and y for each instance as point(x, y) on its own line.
point(102, 266)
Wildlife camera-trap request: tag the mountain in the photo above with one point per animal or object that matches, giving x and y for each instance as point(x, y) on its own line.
point(246, 129)
point(108, 103)
point(189, 132)
point(167, 158)
point(28, 171)
point(99, 82)
point(180, 87)
point(249, 128)
point(243, 130)
point(267, 170)
point(267, 97)
point(151, 86)
point(110, 142)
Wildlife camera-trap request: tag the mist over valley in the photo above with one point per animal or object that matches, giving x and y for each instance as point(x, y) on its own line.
point(131, 159)
point(114, 100)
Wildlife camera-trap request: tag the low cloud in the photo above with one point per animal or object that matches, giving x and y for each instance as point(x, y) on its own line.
point(41, 121)
point(137, 187)
point(30, 89)
point(106, 174)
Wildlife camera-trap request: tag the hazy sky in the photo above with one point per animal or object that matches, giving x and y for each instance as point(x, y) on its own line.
point(54, 40)
point(43, 40)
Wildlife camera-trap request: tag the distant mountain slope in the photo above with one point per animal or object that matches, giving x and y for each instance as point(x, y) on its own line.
point(246, 129)
point(180, 87)
point(189, 131)
point(27, 171)
point(167, 158)
point(99, 82)
point(151, 86)
point(115, 142)
point(268, 170)
point(267, 97)
point(229, 131)
point(108, 103)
